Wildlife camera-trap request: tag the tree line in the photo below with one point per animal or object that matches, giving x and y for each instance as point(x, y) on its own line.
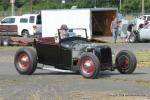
point(127, 6)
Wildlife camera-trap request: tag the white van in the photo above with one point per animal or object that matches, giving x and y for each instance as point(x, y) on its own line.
point(25, 25)
point(28, 25)
point(10, 20)
point(9, 25)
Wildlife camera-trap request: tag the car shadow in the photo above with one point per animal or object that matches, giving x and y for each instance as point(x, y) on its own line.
point(56, 73)
point(101, 75)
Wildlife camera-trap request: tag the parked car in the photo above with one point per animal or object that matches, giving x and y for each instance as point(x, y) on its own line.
point(144, 33)
point(73, 53)
point(141, 35)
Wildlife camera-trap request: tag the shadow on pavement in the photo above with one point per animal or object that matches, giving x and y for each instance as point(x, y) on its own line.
point(102, 74)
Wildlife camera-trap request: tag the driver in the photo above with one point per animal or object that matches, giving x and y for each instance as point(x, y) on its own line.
point(64, 32)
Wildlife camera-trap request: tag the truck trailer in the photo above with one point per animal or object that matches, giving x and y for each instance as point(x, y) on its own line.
point(97, 21)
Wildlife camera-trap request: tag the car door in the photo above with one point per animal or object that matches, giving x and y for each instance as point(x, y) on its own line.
point(65, 58)
point(48, 53)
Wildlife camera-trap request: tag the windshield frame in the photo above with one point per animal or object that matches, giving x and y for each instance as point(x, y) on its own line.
point(84, 29)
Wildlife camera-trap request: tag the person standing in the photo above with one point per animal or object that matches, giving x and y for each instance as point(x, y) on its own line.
point(130, 30)
point(114, 29)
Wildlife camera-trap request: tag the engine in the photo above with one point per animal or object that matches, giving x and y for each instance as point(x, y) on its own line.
point(102, 52)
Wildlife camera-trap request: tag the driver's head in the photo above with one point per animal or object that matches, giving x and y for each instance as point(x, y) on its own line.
point(64, 27)
point(63, 31)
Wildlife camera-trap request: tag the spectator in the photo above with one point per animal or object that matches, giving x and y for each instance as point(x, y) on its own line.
point(146, 23)
point(114, 29)
point(130, 30)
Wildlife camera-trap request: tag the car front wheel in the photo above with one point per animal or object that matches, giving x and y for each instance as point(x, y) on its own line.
point(89, 65)
point(126, 62)
point(25, 61)
point(25, 34)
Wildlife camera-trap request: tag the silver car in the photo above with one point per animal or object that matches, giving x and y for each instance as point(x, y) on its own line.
point(143, 34)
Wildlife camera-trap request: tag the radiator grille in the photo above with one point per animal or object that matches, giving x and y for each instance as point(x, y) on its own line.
point(104, 54)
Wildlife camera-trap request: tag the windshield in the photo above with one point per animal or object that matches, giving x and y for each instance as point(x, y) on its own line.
point(76, 32)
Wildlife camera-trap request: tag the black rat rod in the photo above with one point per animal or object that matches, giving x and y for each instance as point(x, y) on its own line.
point(74, 53)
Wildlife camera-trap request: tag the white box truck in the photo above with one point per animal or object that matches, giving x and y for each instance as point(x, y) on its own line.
point(97, 21)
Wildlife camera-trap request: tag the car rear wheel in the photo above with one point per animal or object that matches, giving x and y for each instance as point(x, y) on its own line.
point(89, 65)
point(126, 62)
point(1, 40)
point(25, 61)
point(6, 41)
point(132, 39)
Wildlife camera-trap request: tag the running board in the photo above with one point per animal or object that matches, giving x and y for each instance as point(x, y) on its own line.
point(55, 69)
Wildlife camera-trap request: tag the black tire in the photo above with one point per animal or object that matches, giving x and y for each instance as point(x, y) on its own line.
point(25, 61)
point(6, 41)
point(93, 70)
point(133, 39)
point(126, 62)
point(25, 33)
point(1, 39)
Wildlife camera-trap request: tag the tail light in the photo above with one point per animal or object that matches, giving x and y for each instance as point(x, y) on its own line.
point(34, 27)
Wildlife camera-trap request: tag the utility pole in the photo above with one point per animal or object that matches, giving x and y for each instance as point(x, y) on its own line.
point(95, 3)
point(30, 1)
point(120, 3)
point(63, 3)
point(143, 11)
point(12, 6)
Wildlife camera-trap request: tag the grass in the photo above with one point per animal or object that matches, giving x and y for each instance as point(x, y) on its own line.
point(143, 58)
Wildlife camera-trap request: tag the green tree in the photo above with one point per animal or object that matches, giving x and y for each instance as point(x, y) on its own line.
point(5, 4)
point(19, 3)
point(128, 6)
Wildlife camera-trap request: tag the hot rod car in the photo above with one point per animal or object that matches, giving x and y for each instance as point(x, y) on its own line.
point(73, 53)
